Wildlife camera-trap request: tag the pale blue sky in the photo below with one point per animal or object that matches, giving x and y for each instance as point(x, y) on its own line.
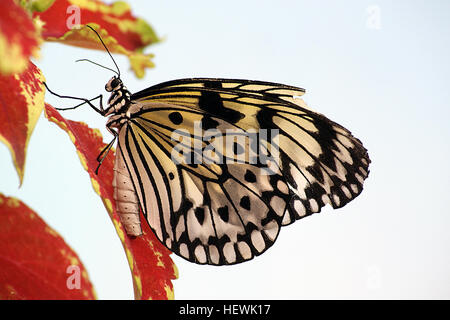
point(388, 85)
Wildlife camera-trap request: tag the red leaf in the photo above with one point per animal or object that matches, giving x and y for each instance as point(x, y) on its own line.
point(35, 262)
point(19, 38)
point(120, 30)
point(21, 103)
point(151, 267)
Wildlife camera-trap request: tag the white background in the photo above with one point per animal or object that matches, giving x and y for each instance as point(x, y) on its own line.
point(379, 68)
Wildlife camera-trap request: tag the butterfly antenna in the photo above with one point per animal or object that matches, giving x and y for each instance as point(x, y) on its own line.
point(98, 64)
point(101, 40)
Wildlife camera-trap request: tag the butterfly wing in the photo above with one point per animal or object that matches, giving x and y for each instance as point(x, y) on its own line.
point(225, 212)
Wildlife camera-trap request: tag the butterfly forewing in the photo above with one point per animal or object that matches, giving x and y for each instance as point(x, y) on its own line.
point(208, 200)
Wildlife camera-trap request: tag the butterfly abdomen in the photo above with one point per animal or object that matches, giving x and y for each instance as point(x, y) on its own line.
point(127, 202)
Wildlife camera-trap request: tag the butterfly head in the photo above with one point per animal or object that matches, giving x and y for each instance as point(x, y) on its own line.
point(114, 84)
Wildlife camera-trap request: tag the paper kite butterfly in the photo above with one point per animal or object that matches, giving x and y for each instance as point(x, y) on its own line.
point(190, 155)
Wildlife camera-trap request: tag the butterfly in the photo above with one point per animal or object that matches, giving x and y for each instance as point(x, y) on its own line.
point(218, 166)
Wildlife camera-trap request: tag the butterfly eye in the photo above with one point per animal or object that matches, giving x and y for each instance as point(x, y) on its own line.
point(113, 83)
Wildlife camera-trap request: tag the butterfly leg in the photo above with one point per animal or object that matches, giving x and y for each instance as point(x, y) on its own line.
point(100, 110)
point(105, 152)
point(106, 149)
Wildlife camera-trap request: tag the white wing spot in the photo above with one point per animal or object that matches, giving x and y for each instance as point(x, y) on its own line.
point(257, 240)
point(336, 199)
point(325, 199)
point(200, 254)
point(300, 208)
point(229, 253)
point(347, 192)
point(214, 254)
point(282, 187)
point(184, 250)
point(244, 249)
point(278, 205)
point(359, 177)
point(314, 205)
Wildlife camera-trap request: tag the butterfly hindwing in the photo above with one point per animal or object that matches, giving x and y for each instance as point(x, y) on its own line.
point(207, 211)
